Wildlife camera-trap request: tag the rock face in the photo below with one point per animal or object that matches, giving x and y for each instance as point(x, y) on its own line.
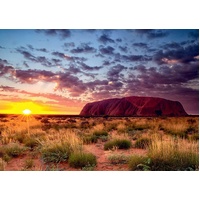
point(134, 106)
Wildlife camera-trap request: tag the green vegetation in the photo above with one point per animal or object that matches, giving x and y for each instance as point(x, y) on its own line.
point(117, 143)
point(143, 143)
point(54, 143)
point(56, 152)
point(82, 160)
point(118, 159)
point(11, 150)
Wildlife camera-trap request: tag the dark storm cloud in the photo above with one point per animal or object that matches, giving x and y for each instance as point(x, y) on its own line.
point(84, 48)
point(107, 50)
point(152, 33)
point(105, 39)
point(180, 54)
point(62, 33)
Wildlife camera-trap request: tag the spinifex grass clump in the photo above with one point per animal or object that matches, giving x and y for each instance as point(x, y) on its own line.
point(174, 154)
point(81, 159)
point(169, 154)
point(58, 146)
point(11, 150)
point(56, 152)
point(88, 139)
point(118, 159)
point(117, 143)
point(143, 143)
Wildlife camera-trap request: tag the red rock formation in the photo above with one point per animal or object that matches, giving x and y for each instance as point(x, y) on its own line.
point(134, 106)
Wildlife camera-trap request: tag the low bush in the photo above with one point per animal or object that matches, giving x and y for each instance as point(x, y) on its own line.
point(31, 142)
point(81, 160)
point(142, 143)
point(56, 152)
point(11, 150)
point(118, 143)
point(88, 139)
point(118, 159)
point(100, 133)
point(138, 163)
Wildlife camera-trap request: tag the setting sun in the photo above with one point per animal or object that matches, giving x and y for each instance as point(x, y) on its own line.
point(26, 112)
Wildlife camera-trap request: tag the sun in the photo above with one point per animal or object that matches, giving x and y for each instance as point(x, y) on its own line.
point(26, 112)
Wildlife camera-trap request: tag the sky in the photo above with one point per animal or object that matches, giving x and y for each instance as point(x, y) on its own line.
point(58, 71)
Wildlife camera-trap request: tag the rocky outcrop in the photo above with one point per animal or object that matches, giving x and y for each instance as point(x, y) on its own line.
point(134, 106)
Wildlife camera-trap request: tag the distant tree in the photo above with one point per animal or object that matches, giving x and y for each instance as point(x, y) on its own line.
point(158, 112)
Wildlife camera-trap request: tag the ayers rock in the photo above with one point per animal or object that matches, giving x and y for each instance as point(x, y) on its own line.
point(134, 106)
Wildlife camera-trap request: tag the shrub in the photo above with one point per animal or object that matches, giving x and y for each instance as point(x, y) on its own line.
point(174, 154)
point(118, 159)
point(80, 160)
point(31, 142)
point(12, 150)
point(28, 164)
point(100, 133)
point(56, 152)
point(88, 139)
point(137, 162)
point(119, 143)
point(142, 143)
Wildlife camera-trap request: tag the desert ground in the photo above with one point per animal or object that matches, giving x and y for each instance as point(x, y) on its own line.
point(67, 143)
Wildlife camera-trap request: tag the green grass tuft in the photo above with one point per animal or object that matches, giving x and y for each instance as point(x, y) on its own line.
point(118, 143)
point(82, 160)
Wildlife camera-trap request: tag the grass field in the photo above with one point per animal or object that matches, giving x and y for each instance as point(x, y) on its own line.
point(43, 143)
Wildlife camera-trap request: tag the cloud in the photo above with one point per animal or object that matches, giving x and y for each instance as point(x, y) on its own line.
point(38, 59)
point(123, 49)
point(33, 76)
point(67, 57)
point(177, 55)
point(114, 73)
point(3, 61)
point(25, 64)
point(2, 47)
point(88, 68)
point(194, 34)
point(62, 33)
point(105, 39)
point(68, 45)
point(140, 45)
point(152, 33)
point(6, 70)
point(84, 48)
point(107, 50)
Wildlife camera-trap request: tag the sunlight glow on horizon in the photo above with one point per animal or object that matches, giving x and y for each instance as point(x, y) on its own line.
point(26, 112)
point(35, 108)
